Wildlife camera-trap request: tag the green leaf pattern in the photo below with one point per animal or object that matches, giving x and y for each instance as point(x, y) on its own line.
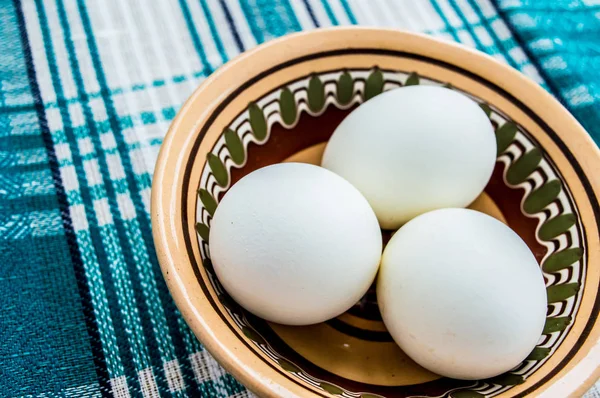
point(287, 106)
point(562, 259)
point(218, 169)
point(374, 84)
point(523, 167)
point(210, 204)
point(345, 88)
point(537, 200)
point(257, 121)
point(316, 94)
point(203, 231)
point(412, 80)
point(234, 146)
point(505, 134)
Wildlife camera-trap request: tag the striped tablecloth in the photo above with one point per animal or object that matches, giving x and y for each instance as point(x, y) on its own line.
point(87, 91)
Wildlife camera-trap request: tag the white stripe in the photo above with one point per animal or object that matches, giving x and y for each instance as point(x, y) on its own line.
point(63, 152)
point(137, 161)
point(150, 59)
point(449, 13)
point(202, 27)
point(85, 146)
point(467, 11)
point(60, 52)
point(487, 8)
point(199, 367)
point(205, 367)
point(87, 391)
point(302, 15)
point(103, 213)
point(339, 12)
point(119, 387)
point(320, 13)
point(174, 376)
point(126, 207)
point(501, 29)
point(38, 54)
point(430, 18)
point(404, 13)
point(69, 179)
point(183, 48)
point(77, 211)
point(78, 218)
point(92, 172)
point(167, 64)
point(362, 12)
point(107, 141)
point(132, 71)
point(76, 114)
point(222, 26)
point(148, 384)
point(146, 195)
point(387, 18)
point(243, 29)
point(55, 122)
point(84, 60)
point(115, 167)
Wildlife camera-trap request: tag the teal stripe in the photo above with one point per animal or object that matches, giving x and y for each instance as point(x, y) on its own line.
point(28, 157)
point(87, 240)
point(112, 236)
point(497, 42)
point(329, 12)
point(157, 301)
point(23, 143)
point(248, 11)
point(31, 220)
point(467, 25)
point(349, 12)
point(4, 109)
point(18, 184)
point(189, 21)
point(262, 17)
point(214, 32)
point(293, 25)
point(29, 107)
point(152, 324)
point(449, 28)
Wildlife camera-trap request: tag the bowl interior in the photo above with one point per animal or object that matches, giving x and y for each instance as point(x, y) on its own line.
point(353, 354)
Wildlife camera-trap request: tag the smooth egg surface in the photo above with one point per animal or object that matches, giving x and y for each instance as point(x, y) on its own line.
point(414, 149)
point(295, 243)
point(461, 294)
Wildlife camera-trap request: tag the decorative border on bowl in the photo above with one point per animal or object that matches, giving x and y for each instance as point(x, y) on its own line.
point(547, 199)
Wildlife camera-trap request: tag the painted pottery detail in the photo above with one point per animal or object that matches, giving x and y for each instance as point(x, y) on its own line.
point(546, 201)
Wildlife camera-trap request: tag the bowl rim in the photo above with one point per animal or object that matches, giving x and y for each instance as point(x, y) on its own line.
point(164, 189)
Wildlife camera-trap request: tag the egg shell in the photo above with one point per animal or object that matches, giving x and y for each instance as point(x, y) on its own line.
point(295, 243)
point(414, 149)
point(461, 294)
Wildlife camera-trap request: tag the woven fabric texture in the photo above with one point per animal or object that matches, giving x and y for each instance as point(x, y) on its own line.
point(87, 92)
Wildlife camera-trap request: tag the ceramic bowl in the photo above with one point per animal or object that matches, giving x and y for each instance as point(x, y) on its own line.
point(281, 102)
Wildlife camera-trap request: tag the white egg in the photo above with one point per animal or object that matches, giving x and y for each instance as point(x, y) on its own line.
point(295, 243)
point(414, 149)
point(461, 294)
